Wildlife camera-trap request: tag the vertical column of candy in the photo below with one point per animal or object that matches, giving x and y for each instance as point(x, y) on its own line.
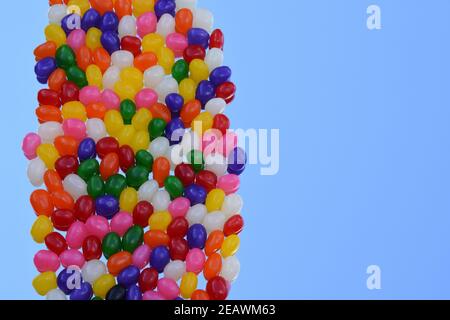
point(136, 171)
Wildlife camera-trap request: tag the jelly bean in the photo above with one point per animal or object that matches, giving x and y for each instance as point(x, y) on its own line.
point(109, 166)
point(187, 89)
point(102, 6)
point(101, 57)
point(137, 176)
point(84, 208)
point(188, 284)
point(148, 190)
point(195, 193)
point(115, 185)
point(111, 100)
point(106, 146)
point(36, 171)
point(168, 288)
point(180, 70)
point(76, 39)
point(195, 261)
point(122, 59)
point(76, 234)
point(103, 284)
point(217, 39)
point(215, 199)
point(41, 228)
point(93, 36)
point(166, 25)
point(230, 268)
point(229, 183)
point(48, 114)
point(217, 288)
point(204, 19)
point(146, 98)
point(45, 50)
point(121, 223)
point(161, 200)
point(62, 200)
point(92, 248)
point(146, 23)
point(55, 242)
point(49, 97)
point(95, 187)
point(178, 249)
point(194, 52)
point(69, 92)
point(165, 6)
point(107, 206)
point(221, 123)
point(183, 20)
point(110, 22)
point(198, 36)
point(141, 256)
point(83, 293)
point(179, 207)
point(196, 236)
point(56, 295)
point(41, 202)
point(177, 42)
point(71, 258)
point(214, 221)
point(213, 266)
point(208, 180)
point(123, 8)
point(200, 295)
point(62, 219)
point(90, 19)
point(97, 226)
point(128, 276)
point(66, 279)
point(174, 186)
point(148, 279)
point(86, 149)
point(230, 246)
point(44, 68)
point(141, 213)
point(111, 244)
point(133, 238)
point(118, 262)
point(45, 260)
point(161, 170)
point(96, 129)
point(88, 168)
point(160, 220)
point(57, 79)
point(196, 214)
point(159, 258)
point(126, 158)
point(156, 238)
point(45, 282)
point(178, 228)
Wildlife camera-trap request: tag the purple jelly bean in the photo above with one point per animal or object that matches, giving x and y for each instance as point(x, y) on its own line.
point(128, 276)
point(45, 67)
point(198, 36)
point(87, 149)
point(107, 206)
point(133, 293)
point(237, 161)
point(83, 293)
point(175, 130)
point(110, 22)
point(159, 258)
point(195, 193)
point(110, 41)
point(175, 102)
point(91, 19)
point(205, 92)
point(220, 75)
point(197, 236)
point(165, 6)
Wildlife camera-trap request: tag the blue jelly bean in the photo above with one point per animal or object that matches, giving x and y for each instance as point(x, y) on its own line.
point(86, 149)
point(174, 131)
point(110, 41)
point(70, 22)
point(110, 22)
point(133, 293)
point(159, 258)
point(198, 36)
point(83, 293)
point(91, 19)
point(45, 67)
point(195, 193)
point(205, 92)
point(65, 279)
point(107, 206)
point(165, 6)
point(220, 75)
point(197, 236)
point(128, 276)
point(175, 103)
point(237, 161)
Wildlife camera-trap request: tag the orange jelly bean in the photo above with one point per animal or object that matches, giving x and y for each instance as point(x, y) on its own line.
point(123, 8)
point(200, 295)
point(53, 181)
point(62, 200)
point(118, 262)
point(183, 20)
point(190, 111)
point(48, 113)
point(47, 49)
point(102, 6)
point(41, 201)
point(96, 110)
point(156, 238)
point(84, 57)
point(145, 60)
point(160, 111)
point(213, 266)
point(57, 79)
point(101, 58)
point(66, 146)
point(161, 170)
point(109, 165)
point(214, 242)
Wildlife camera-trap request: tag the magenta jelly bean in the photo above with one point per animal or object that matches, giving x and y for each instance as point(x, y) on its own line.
point(141, 256)
point(110, 99)
point(76, 235)
point(46, 260)
point(76, 39)
point(152, 295)
point(179, 207)
point(229, 183)
point(72, 257)
point(146, 23)
point(30, 144)
point(97, 226)
point(146, 98)
point(90, 94)
point(177, 42)
point(74, 128)
point(168, 288)
point(121, 222)
point(195, 260)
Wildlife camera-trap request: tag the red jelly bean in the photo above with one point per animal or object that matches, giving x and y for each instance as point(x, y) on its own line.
point(107, 145)
point(234, 225)
point(132, 44)
point(109, 165)
point(66, 165)
point(55, 242)
point(142, 213)
point(194, 52)
point(226, 91)
point(221, 123)
point(126, 158)
point(63, 219)
point(178, 249)
point(185, 173)
point(84, 208)
point(69, 92)
point(161, 170)
point(217, 288)
point(178, 228)
point(148, 279)
point(206, 179)
point(92, 248)
point(48, 97)
point(217, 39)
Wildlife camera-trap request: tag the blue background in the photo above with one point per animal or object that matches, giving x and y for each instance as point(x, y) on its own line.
point(365, 129)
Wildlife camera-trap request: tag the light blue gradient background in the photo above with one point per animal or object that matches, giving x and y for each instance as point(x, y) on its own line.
point(364, 118)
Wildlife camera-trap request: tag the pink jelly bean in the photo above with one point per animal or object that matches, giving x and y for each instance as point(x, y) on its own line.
point(121, 223)
point(90, 94)
point(97, 226)
point(228, 142)
point(72, 257)
point(46, 260)
point(179, 207)
point(74, 128)
point(110, 99)
point(30, 144)
point(177, 42)
point(141, 256)
point(76, 235)
point(152, 295)
point(168, 288)
point(76, 39)
point(146, 23)
point(229, 183)
point(195, 260)
point(146, 98)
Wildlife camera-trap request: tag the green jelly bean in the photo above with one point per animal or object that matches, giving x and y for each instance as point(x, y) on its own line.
point(145, 159)
point(77, 76)
point(128, 110)
point(180, 70)
point(96, 187)
point(137, 176)
point(111, 244)
point(65, 57)
point(174, 187)
point(88, 168)
point(156, 128)
point(115, 185)
point(133, 238)
point(196, 159)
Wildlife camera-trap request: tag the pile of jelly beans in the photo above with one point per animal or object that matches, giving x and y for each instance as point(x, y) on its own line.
point(136, 167)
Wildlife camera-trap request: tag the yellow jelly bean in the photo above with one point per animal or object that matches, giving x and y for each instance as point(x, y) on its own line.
point(204, 121)
point(187, 89)
point(215, 199)
point(94, 76)
point(160, 220)
point(188, 285)
point(133, 76)
point(113, 122)
point(198, 70)
point(83, 5)
point(142, 119)
point(42, 226)
point(166, 59)
point(152, 42)
point(125, 90)
point(93, 38)
point(48, 153)
point(142, 6)
point(74, 110)
point(126, 135)
point(128, 199)
point(230, 246)
point(45, 282)
point(56, 34)
point(103, 284)
point(141, 141)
